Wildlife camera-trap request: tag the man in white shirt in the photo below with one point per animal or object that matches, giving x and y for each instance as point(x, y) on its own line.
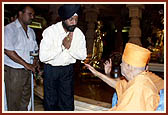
point(19, 40)
point(63, 43)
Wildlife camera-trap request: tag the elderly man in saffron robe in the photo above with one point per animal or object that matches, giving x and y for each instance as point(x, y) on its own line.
point(140, 90)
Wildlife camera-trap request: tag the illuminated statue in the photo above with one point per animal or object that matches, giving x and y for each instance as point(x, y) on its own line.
point(96, 57)
point(98, 46)
point(158, 47)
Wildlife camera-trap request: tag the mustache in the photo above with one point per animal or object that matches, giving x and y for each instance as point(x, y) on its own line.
point(69, 28)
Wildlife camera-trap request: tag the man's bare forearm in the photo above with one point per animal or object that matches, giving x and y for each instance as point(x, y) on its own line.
point(110, 81)
point(15, 57)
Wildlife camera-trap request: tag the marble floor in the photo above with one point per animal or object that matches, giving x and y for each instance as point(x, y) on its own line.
point(81, 104)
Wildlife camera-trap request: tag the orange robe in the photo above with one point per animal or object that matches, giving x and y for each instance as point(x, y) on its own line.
point(139, 94)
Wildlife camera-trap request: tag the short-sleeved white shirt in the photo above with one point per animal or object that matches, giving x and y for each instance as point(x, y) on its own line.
point(15, 39)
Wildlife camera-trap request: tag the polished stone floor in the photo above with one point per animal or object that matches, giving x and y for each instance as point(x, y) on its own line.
point(81, 104)
point(93, 88)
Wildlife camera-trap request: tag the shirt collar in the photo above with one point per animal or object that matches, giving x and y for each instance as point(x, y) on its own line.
point(18, 25)
point(62, 28)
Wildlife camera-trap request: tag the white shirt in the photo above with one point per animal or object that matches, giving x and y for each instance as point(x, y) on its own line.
point(53, 52)
point(15, 39)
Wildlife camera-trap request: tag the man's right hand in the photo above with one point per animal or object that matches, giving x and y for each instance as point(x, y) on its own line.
point(30, 67)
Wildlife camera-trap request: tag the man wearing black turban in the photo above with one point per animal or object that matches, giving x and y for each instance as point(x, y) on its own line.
point(63, 43)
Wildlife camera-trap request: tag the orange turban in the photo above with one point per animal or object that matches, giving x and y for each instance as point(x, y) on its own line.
point(135, 55)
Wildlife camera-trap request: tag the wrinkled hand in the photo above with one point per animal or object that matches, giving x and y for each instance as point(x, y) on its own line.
point(108, 66)
point(92, 69)
point(67, 40)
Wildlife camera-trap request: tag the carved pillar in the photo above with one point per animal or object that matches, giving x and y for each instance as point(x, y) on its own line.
point(135, 13)
point(91, 14)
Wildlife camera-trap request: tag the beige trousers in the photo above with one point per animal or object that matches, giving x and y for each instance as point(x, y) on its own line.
point(18, 88)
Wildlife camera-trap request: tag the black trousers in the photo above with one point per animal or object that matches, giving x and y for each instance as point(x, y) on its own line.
point(58, 88)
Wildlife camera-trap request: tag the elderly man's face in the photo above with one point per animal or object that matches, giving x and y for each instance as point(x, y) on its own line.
point(125, 71)
point(70, 24)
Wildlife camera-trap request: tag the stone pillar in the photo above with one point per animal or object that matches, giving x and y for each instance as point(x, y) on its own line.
point(135, 13)
point(91, 14)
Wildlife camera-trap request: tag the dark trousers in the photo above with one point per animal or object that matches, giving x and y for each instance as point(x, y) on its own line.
point(18, 88)
point(58, 88)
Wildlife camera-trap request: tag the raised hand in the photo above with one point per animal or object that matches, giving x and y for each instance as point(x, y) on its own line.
point(108, 67)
